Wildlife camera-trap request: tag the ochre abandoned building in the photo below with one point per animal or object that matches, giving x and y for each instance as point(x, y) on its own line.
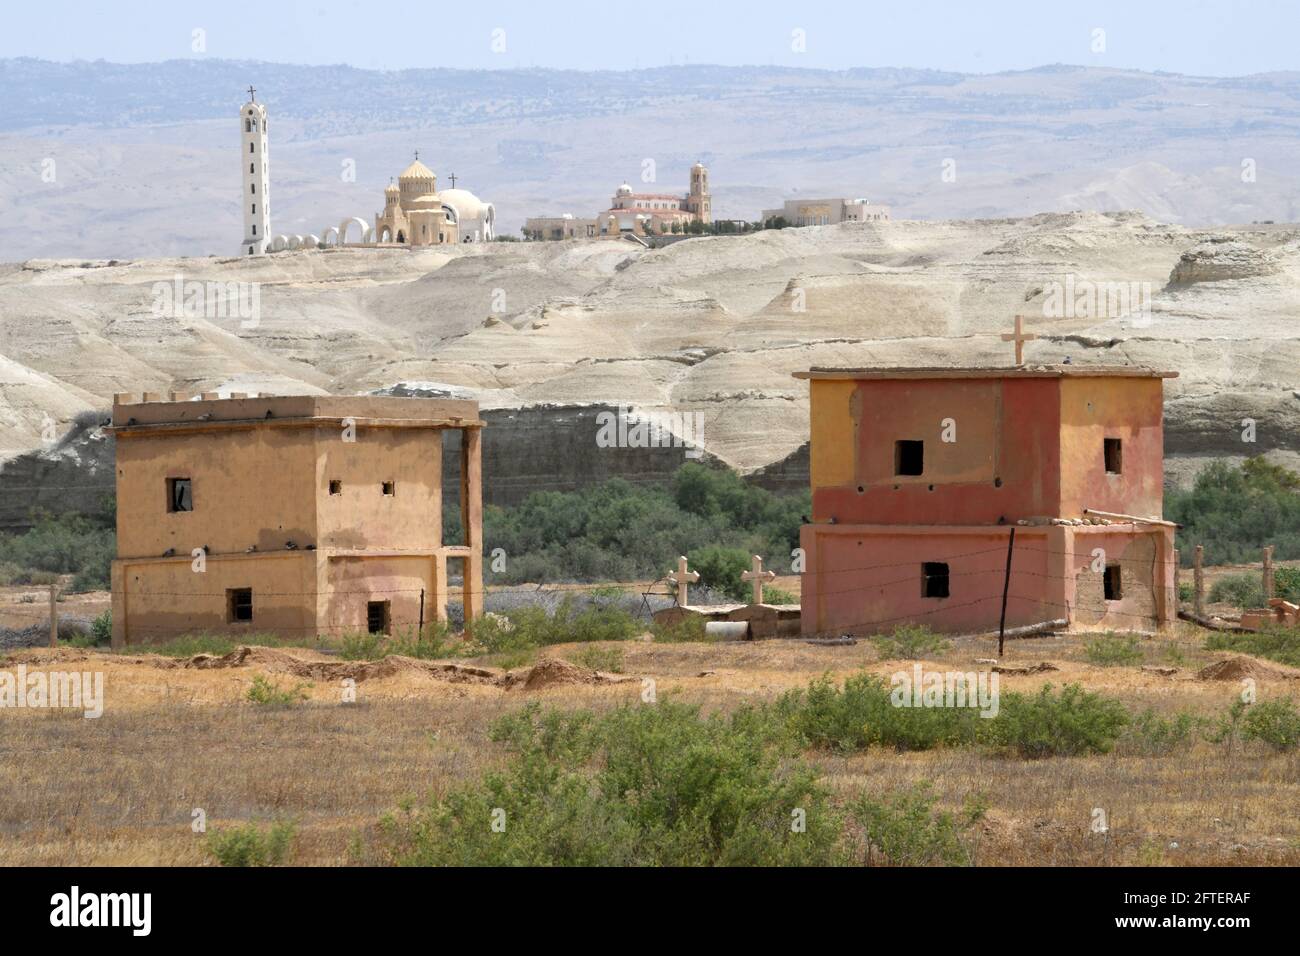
point(918, 476)
point(301, 515)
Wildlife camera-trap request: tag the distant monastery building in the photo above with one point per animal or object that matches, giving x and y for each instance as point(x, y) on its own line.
point(633, 213)
point(826, 212)
point(415, 213)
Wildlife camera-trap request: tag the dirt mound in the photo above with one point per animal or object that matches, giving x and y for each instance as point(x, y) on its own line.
point(1238, 668)
point(554, 672)
point(317, 667)
point(1022, 669)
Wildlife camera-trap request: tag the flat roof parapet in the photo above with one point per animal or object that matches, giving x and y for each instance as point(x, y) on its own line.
point(1013, 371)
point(154, 414)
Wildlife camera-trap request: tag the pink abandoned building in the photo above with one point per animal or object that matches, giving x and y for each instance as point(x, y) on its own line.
point(919, 475)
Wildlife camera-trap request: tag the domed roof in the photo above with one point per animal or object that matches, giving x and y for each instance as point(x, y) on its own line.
point(392, 188)
point(417, 170)
point(466, 204)
point(625, 190)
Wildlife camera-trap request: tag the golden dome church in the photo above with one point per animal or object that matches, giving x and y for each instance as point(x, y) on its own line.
point(416, 214)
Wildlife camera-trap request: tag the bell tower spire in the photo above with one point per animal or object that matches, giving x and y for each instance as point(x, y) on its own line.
point(255, 176)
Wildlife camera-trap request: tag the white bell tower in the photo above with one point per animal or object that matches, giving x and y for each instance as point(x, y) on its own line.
point(256, 164)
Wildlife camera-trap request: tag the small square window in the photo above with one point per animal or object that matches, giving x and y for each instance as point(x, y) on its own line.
point(1112, 583)
point(1114, 452)
point(909, 457)
point(179, 495)
point(377, 618)
point(389, 488)
point(239, 604)
point(934, 579)
point(336, 486)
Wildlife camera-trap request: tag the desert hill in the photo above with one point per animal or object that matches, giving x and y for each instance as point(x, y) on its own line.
point(715, 325)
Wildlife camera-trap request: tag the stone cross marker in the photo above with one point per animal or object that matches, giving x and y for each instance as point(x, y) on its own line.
point(757, 575)
point(1020, 337)
point(682, 578)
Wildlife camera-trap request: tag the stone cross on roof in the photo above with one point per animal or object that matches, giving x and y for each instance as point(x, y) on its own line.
point(682, 577)
point(452, 177)
point(757, 575)
point(1020, 337)
point(251, 91)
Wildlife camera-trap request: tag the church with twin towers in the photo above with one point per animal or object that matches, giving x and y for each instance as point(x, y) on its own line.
point(415, 211)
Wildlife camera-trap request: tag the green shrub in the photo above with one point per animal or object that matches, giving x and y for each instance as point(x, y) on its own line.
point(773, 595)
point(102, 628)
point(534, 626)
point(621, 531)
point(608, 659)
point(720, 569)
point(70, 544)
point(1276, 644)
point(1274, 722)
point(1234, 511)
point(903, 829)
point(1239, 590)
point(188, 645)
point(861, 714)
point(909, 642)
point(686, 629)
point(1113, 650)
point(641, 785)
point(269, 694)
point(436, 642)
point(81, 641)
point(509, 660)
point(1149, 733)
point(1286, 584)
point(1067, 724)
point(250, 845)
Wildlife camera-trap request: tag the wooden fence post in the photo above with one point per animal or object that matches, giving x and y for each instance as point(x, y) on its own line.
point(1198, 581)
point(1177, 581)
point(54, 616)
point(1268, 572)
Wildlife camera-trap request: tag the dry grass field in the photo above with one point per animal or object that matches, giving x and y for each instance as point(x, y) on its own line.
point(122, 789)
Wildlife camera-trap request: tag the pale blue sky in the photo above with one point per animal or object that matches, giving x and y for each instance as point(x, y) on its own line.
point(1207, 37)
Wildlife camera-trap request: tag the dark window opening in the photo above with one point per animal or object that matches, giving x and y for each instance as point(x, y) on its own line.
point(388, 488)
point(934, 579)
point(336, 486)
point(250, 147)
point(909, 457)
point(377, 617)
point(239, 604)
point(1114, 456)
point(179, 495)
point(1112, 584)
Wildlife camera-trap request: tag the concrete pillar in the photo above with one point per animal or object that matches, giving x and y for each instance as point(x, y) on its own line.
point(118, 585)
point(471, 517)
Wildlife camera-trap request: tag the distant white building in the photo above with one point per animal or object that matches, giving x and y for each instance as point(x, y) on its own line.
point(256, 165)
point(827, 212)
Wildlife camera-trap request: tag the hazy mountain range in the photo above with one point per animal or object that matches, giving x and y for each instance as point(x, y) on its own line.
point(144, 156)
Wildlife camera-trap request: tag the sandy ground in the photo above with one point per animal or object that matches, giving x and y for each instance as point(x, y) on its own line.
point(173, 739)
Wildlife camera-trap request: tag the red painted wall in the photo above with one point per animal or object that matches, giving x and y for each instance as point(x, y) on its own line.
point(1020, 446)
